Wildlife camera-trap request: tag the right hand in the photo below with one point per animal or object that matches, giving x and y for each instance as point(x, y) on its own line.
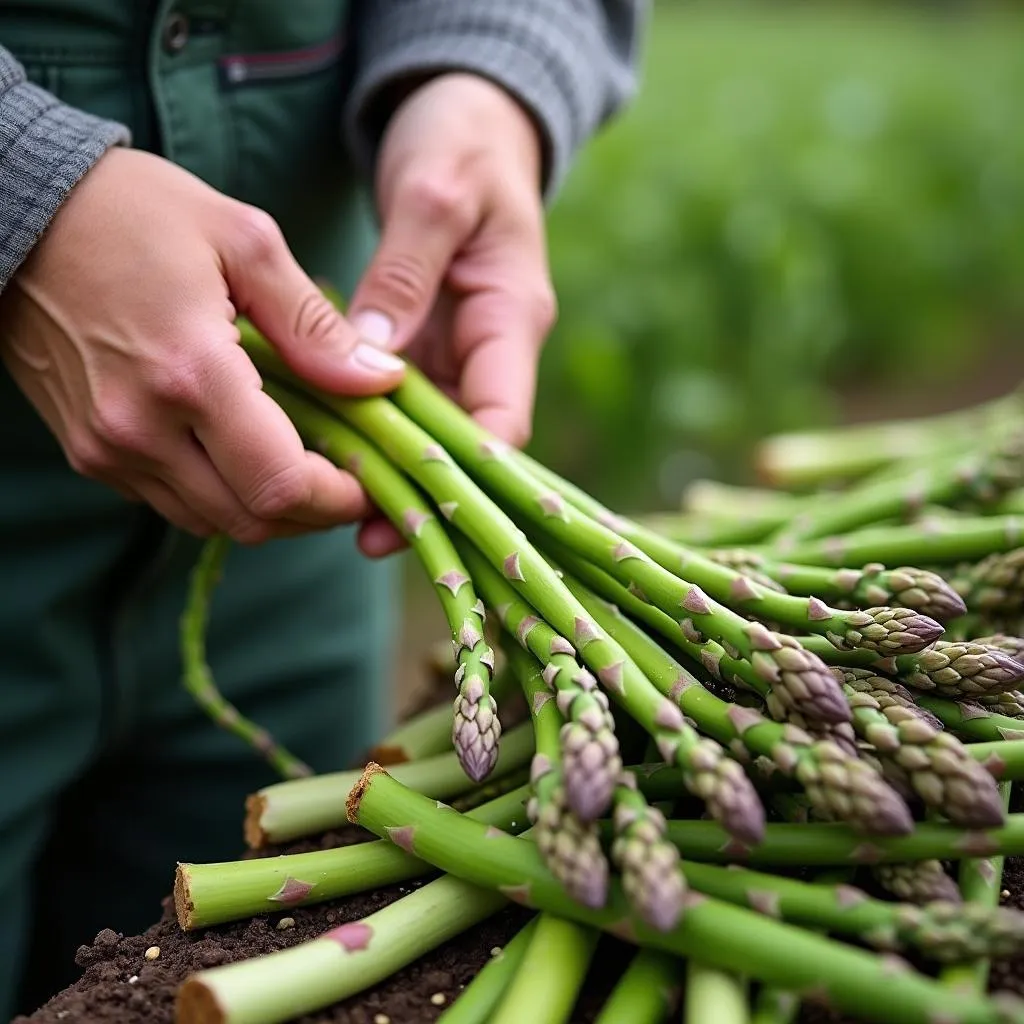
point(119, 328)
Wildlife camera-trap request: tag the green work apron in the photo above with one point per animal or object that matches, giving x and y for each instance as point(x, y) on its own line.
point(110, 773)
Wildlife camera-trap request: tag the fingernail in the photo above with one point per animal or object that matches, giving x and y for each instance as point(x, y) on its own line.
point(372, 358)
point(375, 327)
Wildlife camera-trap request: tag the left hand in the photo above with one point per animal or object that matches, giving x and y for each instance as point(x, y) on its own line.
point(460, 280)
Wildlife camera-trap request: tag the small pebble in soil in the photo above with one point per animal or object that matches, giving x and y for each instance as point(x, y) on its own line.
point(1005, 894)
point(285, 923)
point(438, 999)
point(152, 953)
point(495, 950)
point(133, 980)
point(381, 1018)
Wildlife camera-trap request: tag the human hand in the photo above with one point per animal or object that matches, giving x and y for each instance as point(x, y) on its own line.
point(460, 279)
point(119, 328)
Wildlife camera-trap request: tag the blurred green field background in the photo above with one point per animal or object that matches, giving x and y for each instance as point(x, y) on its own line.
point(807, 203)
point(811, 213)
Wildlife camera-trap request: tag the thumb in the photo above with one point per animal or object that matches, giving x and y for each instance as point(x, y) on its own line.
point(268, 286)
point(424, 226)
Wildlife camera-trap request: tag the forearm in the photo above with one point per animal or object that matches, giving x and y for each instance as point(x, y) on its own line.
point(46, 147)
point(570, 63)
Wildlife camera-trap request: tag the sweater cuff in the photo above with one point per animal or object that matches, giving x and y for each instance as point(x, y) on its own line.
point(46, 148)
point(553, 58)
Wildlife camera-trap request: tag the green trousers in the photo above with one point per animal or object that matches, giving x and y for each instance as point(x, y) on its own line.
point(111, 774)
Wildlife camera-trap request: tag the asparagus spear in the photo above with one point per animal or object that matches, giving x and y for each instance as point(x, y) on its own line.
point(943, 930)
point(937, 543)
point(886, 692)
point(280, 986)
point(837, 784)
point(993, 585)
point(506, 474)
point(811, 457)
point(807, 845)
point(971, 722)
point(287, 810)
point(197, 677)
point(570, 847)
point(1008, 705)
point(476, 728)
point(713, 994)
point(872, 585)
point(647, 862)
point(921, 882)
point(478, 1000)
point(721, 935)
point(590, 750)
point(545, 987)
point(647, 992)
point(962, 670)
point(980, 475)
point(934, 763)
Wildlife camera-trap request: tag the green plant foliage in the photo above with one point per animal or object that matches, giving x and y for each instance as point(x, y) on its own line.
point(800, 198)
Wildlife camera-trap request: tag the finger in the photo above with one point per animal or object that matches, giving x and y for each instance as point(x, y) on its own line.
point(168, 504)
point(260, 457)
point(498, 338)
point(378, 538)
point(269, 287)
point(427, 220)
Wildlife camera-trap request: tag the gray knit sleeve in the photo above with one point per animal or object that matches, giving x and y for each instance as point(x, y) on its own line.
point(571, 63)
point(46, 147)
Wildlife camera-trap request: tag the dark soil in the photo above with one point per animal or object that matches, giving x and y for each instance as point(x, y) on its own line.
point(119, 986)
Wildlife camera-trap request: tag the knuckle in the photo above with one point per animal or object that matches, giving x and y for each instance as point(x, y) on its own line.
point(280, 494)
point(118, 426)
point(180, 384)
point(256, 234)
point(402, 279)
point(251, 532)
point(437, 200)
point(87, 456)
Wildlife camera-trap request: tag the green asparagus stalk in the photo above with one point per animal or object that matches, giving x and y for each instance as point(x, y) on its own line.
point(647, 992)
point(980, 880)
point(993, 585)
point(938, 543)
point(548, 981)
point(961, 671)
point(837, 784)
point(935, 764)
point(981, 475)
point(810, 845)
point(197, 677)
point(706, 532)
point(422, 736)
point(1008, 705)
point(971, 722)
point(571, 848)
point(811, 457)
point(209, 894)
point(723, 936)
point(715, 499)
point(591, 762)
point(921, 882)
point(553, 517)
point(283, 985)
point(647, 862)
point(872, 585)
point(481, 996)
point(476, 728)
point(942, 930)
point(287, 810)
point(505, 547)
point(714, 995)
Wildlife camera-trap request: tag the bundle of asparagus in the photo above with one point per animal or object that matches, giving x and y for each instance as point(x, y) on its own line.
point(666, 679)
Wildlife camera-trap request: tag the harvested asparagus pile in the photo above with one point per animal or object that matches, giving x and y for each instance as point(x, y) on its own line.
point(723, 704)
